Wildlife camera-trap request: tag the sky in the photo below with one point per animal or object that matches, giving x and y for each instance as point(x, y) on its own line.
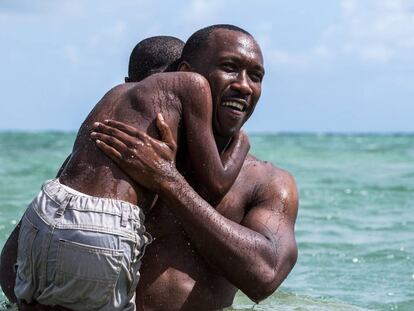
point(331, 65)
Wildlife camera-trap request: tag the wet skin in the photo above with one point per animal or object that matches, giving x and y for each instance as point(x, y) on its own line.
point(233, 65)
point(201, 254)
point(185, 100)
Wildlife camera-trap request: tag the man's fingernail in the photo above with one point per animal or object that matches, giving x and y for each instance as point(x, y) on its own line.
point(93, 134)
point(160, 117)
point(96, 124)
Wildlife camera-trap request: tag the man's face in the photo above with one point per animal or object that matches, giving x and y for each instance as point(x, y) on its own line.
point(233, 65)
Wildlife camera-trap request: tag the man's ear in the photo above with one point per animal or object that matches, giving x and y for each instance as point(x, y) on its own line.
point(184, 66)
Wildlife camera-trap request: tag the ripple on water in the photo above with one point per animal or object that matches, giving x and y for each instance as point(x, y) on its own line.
point(355, 222)
point(286, 301)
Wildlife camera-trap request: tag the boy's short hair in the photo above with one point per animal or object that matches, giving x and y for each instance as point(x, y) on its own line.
point(154, 55)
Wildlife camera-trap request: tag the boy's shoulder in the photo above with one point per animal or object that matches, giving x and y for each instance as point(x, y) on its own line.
point(177, 80)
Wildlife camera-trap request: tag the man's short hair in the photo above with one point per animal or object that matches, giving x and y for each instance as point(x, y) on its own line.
point(198, 41)
point(154, 55)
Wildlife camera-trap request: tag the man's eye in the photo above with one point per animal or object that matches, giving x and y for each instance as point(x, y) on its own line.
point(229, 67)
point(256, 76)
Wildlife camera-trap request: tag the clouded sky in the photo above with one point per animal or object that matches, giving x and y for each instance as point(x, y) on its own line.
point(331, 65)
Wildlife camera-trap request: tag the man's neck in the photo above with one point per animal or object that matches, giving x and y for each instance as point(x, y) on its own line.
point(222, 142)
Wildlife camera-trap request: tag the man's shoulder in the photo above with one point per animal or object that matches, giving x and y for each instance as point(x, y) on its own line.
point(265, 171)
point(269, 183)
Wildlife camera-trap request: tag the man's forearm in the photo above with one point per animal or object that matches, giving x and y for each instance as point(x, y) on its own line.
point(245, 257)
point(245, 253)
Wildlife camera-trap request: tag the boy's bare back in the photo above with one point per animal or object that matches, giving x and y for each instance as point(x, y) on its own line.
point(90, 171)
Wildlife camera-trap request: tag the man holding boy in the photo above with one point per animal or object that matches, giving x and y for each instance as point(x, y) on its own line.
point(202, 254)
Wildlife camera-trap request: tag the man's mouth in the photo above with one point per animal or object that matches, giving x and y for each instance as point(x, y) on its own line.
point(238, 106)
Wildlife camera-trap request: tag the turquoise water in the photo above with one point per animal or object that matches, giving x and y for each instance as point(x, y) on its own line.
point(355, 226)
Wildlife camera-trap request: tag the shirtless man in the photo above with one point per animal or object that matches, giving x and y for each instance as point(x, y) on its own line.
point(74, 210)
point(202, 254)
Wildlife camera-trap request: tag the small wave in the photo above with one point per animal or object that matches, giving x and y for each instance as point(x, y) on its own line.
point(285, 301)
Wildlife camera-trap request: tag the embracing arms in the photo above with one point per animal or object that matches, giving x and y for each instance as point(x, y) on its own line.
point(214, 173)
point(255, 255)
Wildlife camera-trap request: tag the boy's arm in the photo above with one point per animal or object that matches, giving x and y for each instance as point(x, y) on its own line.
point(214, 174)
point(255, 255)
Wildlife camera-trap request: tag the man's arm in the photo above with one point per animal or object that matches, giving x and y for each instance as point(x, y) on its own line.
point(256, 255)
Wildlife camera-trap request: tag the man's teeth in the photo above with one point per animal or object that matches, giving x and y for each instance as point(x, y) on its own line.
point(234, 105)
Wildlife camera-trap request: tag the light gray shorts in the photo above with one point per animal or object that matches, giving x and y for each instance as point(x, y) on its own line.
point(78, 251)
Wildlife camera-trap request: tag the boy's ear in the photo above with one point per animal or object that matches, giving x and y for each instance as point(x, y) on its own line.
point(184, 66)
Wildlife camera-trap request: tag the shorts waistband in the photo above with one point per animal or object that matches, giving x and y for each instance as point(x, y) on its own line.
point(79, 201)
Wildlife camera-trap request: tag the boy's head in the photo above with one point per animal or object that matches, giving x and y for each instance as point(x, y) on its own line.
point(154, 55)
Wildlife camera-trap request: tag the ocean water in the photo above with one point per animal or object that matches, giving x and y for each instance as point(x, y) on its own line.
point(355, 227)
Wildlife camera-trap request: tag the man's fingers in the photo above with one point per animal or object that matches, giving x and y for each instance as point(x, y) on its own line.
point(159, 146)
point(109, 151)
point(112, 131)
point(111, 141)
point(128, 129)
point(165, 131)
point(114, 147)
point(109, 131)
point(126, 140)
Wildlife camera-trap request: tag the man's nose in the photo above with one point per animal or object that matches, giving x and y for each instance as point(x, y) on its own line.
point(241, 84)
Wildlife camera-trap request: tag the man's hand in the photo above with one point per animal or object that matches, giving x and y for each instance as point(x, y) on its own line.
point(148, 161)
point(256, 254)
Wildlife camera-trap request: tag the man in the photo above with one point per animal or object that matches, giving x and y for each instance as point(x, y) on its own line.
point(202, 254)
